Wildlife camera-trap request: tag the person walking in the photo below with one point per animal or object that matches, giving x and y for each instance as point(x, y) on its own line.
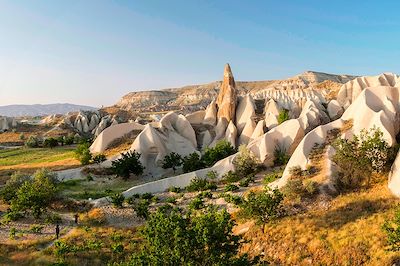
point(76, 216)
point(57, 230)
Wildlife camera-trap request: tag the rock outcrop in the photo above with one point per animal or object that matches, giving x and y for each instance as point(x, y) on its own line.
point(227, 96)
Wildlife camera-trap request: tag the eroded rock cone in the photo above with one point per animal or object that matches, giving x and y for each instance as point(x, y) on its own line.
point(227, 96)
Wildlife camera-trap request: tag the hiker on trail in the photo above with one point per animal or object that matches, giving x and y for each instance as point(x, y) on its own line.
point(57, 230)
point(76, 216)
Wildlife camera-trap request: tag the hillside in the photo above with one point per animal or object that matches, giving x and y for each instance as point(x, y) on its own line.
point(18, 110)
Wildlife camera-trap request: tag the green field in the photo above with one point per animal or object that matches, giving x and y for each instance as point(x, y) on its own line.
point(11, 157)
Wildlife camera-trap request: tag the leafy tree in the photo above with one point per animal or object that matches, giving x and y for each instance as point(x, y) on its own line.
point(245, 162)
point(231, 187)
point(8, 191)
point(172, 238)
point(35, 195)
point(200, 184)
point(61, 140)
point(69, 140)
point(221, 150)
point(263, 206)
point(50, 143)
point(192, 162)
point(141, 208)
point(283, 116)
point(172, 160)
point(361, 156)
point(82, 153)
point(129, 163)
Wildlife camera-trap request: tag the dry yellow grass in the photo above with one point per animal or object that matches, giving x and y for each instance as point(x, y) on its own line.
point(345, 232)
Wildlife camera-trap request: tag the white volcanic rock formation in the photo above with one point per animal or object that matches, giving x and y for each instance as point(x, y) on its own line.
point(110, 134)
point(7, 123)
point(350, 90)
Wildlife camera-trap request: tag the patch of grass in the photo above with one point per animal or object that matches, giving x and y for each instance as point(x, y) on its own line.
point(14, 157)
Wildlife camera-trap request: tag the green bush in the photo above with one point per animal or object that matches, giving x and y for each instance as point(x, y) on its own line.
point(147, 196)
point(271, 177)
point(69, 140)
point(127, 164)
point(280, 155)
point(212, 175)
point(9, 190)
point(141, 208)
point(117, 200)
point(82, 153)
point(36, 228)
point(171, 200)
point(221, 150)
point(262, 206)
point(32, 142)
point(245, 162)
point(392, 230)
point(231, 187)
point(192, 162)
point(283, 116)
point(173, 238)
point(298, 188)
point(172, 160)
point(22, 136)
point(196, 204)
point(205, 194)
point(231, 177)
point(200, 184)
point(174, 189)
point(234, 199)
point(99, 158)
point(361, 156)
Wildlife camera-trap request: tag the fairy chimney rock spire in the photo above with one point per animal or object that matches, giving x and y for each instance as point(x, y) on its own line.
point(227, 97)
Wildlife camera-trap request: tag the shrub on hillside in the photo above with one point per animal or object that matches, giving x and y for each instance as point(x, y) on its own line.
point(361, 156)
point(173, 238)
point(263, 206)
point(192, 162)
point(281, 157)
point(231, 177)
point(128, 164)
point(69, 140)
point(117, 200)
point(82, 153)
point(200, 184)
point(245, 162)
point(172, 160)
point(99, 158)
point(283, 116)
point(221, 150)
point(141, 208)
point(392, 230)
point(231, 187)
point(296, 188)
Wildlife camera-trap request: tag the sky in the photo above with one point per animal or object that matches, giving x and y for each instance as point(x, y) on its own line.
point(94, 52)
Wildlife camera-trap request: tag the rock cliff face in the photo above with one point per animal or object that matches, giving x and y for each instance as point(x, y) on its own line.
point(195, 97)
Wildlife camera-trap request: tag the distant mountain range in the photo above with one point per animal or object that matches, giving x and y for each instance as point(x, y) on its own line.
point(17, 110)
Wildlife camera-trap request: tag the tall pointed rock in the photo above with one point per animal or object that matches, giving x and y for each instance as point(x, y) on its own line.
point(227, 96)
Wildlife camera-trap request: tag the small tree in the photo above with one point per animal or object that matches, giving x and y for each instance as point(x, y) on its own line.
point(172, 160)
point(245, 162)
point(37, 194)
point(50, 143)
point(127, 164)
point(192, 162)
point(82, 153)
point(281, 157)
point(263, 206)
point(283, 116)
point(172, 238)
point(361, 156)
point(32, 142)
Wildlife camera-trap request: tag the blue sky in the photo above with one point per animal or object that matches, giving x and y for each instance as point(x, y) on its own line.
point(94, 52)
